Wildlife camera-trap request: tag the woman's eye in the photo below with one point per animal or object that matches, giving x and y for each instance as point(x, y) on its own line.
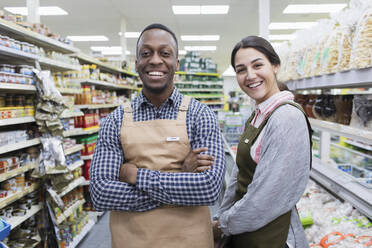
point(240, 71)
point(257, 65)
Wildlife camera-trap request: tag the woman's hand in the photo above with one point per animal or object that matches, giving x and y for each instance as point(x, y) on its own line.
point(128, 173)
point(196, 162)
point(217, 233)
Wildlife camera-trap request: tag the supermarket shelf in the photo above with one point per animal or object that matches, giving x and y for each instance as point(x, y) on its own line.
point(17, 54)
point(70, 168)
point(97, 106)
point(358, 144)
point(19, 145)
point(13, 121)
point(213, 103)
point(69, 114)
point(199, 83)
point(70, 91)
point(89, 157)
point(35, 38)
point(200, 90)
point(58, 65)
point(83, 233)
point(343, 186)
point(75, 165)
point(352, 78)
point(17, 220)
point(206, 96)
point(69, 211)
point(198, 73)
point(72, 185)
point(74, 149)
point(104, 84)
point(80, 131)
point(342, 130)
point(85, 183)
point(73, 132)
point(102, 65)
point(13, 197)
point(18, 87)
point(15, 172)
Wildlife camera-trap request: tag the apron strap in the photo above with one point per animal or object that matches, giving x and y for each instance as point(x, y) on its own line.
point(128, 112)
point(182, 110)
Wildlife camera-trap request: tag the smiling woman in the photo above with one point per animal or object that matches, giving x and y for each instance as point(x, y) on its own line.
point(259, 208)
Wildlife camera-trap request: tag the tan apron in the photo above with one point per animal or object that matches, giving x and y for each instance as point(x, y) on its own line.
point(159, 145)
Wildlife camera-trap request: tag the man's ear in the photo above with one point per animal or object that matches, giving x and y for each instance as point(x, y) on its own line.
point(135, 64)
point(178, 65)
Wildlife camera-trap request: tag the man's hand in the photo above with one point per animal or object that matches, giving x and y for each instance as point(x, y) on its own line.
point(196, 162)
point(128, 173)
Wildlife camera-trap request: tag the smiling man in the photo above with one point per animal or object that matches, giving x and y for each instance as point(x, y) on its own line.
point(159, 160)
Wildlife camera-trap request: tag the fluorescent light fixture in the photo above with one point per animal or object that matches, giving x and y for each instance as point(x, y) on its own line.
point(282, 36)
point(87, 38)
point(186, 9)
point(43, 11)
point(291, 25)
point(229, 72)
point(132, 34)
point(182, 52)
point(313, 8)
point(214, 9)
point(200, 48)
point(200, 9)
point(200, 37)
point(112, 50)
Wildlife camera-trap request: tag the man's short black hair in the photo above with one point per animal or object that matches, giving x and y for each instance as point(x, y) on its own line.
point(158, 26)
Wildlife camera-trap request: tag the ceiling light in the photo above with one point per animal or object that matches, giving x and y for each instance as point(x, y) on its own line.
point(282, 36)
point(43, 11)
point(87, 38)
point(200, 37)
point(291, 25)
point(313, 8)
point(112, 50)
point(200, 48)
point(186, 9)
point(214, 9)
point(182, 52)
point(132, 34)
point(200, 9)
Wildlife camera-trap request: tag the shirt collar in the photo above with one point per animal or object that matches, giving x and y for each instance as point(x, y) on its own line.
point(264, 107)
point(173, 99)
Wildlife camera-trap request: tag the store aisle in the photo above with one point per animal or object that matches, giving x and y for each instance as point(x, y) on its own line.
point(99, 236)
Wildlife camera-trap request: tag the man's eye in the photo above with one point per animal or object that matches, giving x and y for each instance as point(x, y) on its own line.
point(145, 53)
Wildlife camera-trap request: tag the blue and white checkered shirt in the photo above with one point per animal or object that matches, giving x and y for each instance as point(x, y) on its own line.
point(154, 188)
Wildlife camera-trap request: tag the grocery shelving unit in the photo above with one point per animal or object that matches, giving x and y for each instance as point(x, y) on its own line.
point(69, 211)
point(206, 91)
point(324, 170)
point(17, 220)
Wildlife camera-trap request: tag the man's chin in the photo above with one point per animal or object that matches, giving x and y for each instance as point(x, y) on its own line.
point(155, 90)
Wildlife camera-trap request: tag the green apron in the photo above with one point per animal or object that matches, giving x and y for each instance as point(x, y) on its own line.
point(274, 234)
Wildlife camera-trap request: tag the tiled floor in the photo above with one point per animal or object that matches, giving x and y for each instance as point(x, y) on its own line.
point(99, 236)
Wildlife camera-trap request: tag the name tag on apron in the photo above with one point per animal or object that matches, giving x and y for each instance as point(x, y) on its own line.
point(172, 139)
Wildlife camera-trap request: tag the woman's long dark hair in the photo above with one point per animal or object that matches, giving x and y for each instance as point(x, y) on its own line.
point(258, 43)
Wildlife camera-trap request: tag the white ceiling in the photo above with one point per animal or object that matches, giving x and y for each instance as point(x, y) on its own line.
point(99, 17)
